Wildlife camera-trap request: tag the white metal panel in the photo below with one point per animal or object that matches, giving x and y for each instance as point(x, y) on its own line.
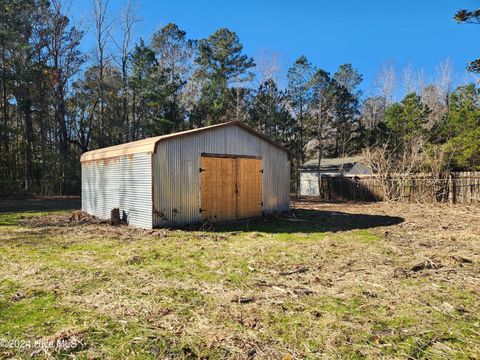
point(136, 190)
point(125, 183)
point(100, 187)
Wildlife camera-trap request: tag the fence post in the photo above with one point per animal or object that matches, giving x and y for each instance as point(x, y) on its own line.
point(451, 189)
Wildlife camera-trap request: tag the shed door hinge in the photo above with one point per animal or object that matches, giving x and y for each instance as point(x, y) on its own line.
point(202, 169)
point(261, 203)
point(202, 210)
point(261, 171)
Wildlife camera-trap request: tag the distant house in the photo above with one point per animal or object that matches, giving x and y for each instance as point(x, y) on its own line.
point(346, 166)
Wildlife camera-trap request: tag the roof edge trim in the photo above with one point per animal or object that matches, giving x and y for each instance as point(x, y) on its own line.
point(149, 145)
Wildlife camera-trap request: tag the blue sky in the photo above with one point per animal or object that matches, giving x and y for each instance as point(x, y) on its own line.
point(366, 33)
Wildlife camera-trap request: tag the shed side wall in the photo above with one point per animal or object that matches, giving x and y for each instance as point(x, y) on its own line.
point(176, 175)
point(124, 182)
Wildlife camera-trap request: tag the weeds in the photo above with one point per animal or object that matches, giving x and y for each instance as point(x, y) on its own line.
point(360, 284)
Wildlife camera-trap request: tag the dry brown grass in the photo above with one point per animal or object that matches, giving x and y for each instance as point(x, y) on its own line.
point(332, 281)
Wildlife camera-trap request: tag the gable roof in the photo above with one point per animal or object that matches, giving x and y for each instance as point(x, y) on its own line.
point(149, 144)
point(333, 165)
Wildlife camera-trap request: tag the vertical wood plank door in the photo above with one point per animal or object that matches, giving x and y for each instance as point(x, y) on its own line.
point(249, 186)
point(218, 193)
point(230, 188)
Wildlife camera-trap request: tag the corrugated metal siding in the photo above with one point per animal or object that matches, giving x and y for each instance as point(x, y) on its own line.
point(176, 175)
point(100, 187)
point(124, 182)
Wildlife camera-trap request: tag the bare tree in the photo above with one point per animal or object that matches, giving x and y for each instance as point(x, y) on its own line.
point(65, 61)
point(192, 93)
point(127, 20)
point(373, 112)
point(431, 97)
point(268, 66)
point(437, 94)
point(385, 82)
point(421, 79)
point(444, 80)
point(394, 167)
point(409, 79)
point(102, 28)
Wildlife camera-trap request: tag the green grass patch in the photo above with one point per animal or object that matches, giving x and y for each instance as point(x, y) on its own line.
point(142, 296)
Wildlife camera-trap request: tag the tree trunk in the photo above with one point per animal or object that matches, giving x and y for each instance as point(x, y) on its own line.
point(133, 135)
point(125, 121)
point(27, 111)
point(319, 170)
point(299, 150)
point(5, 103)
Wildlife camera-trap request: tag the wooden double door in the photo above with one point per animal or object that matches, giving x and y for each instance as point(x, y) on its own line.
point(230, 187)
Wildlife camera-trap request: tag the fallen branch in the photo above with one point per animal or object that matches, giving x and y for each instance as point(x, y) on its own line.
point(303, 291)
point(243, 300)
point(294, 271)
point(427, 264)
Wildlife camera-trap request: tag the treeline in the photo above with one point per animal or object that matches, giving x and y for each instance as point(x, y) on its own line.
point(58, 102)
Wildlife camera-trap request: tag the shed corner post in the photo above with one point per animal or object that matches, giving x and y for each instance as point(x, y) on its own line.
point(153, 188)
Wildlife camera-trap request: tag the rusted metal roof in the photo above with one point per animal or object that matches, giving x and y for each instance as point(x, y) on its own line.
point(333, 164)
point(148, 145)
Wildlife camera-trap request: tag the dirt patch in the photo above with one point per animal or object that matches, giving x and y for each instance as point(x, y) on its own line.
point(75, 218)
point(83, 224)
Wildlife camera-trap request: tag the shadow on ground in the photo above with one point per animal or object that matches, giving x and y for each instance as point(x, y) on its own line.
point(300, 220)
point(308, 221)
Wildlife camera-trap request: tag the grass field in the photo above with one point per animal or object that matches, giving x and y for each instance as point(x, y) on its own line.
point(331, 281)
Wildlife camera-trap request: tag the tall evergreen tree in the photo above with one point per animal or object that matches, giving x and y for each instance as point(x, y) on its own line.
point(143, 66)
point(299, 76)
point(221, 65)
point(300, 94)
point(461, 129)
point(269, 114)
point(347, 105)
point(152, 90)
point(322, 108)
point(28, 62)
point(174, 53)
point(407, 120)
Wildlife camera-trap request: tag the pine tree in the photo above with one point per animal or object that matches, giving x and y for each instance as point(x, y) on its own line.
point(470, 17)
point(322, 107)
point(174, 52)
point(461, 130)
point(299, 76)
point(221, 65)
point(269, 114)
point(407, 120)
point(347, 103)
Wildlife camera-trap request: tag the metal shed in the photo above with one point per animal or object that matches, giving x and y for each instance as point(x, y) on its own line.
point(217, 173)
point(333, 167)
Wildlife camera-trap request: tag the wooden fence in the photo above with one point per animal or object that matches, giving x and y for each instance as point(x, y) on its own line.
point(455, 188)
